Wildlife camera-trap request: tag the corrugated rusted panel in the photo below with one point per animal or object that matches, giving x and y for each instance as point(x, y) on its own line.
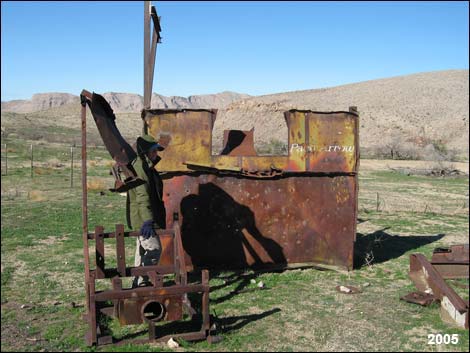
point(186, 134)
point(241, 222)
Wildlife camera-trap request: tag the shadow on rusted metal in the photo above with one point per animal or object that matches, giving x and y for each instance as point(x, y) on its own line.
point(241, 210)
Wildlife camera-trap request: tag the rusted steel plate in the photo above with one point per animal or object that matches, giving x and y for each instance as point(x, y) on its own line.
point(241, 210)
point(129, 310)
point(318, 142)
point(186, 134)
point(453, 254)
point(241, 222)
point(322, 142)
point(452, 262)
point(104, 118)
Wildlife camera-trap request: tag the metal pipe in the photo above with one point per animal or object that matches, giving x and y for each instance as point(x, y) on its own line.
point(32, 157)
point(153, 311)
point(71, 167)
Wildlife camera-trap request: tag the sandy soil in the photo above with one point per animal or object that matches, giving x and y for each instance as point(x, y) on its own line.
point(376, 164)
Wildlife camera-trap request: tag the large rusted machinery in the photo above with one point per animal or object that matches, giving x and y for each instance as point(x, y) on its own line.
point(240, 210)
point(167, 298)
point(163, 300)
point(232, 210)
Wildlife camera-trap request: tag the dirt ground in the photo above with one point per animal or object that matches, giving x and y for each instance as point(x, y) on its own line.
point(380, 164)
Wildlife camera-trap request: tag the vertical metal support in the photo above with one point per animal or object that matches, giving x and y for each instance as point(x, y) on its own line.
point(205, 302)
point(353, 109)
point(181, 262)
point(147, 94)
point(6, 159)
point(32, 158)
point(99, 251)
point(92, 311)
point(152, 332)
point(71, 167)
point(146, 53)
point(151, 39)
point(151, 64)
point(120, 250)
point(176, 259)
point(86, 255)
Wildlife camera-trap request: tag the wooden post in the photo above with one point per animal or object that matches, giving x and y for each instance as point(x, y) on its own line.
point(377, 203)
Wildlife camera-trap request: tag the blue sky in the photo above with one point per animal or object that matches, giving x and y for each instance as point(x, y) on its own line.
point(209, 47)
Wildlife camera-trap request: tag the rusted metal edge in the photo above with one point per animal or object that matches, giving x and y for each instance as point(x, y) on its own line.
point(426, 278)
point(150, 291)
point(137, 271)
point(268, 267)
point(228, 172)
point(452, 270)
point(452, 262)
point(164, 232)
point(352, 112)
point(172, 111)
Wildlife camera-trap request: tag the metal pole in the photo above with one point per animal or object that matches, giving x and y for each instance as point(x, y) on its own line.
point(71, 167)
point(147, 6)
point(6, 160)
point(86, 256)
point(32, 156)
point(147, 96)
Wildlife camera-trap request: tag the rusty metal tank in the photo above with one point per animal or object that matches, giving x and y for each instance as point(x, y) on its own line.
point(239, 210)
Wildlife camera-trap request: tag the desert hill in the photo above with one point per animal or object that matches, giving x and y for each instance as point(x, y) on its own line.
point(417, 113)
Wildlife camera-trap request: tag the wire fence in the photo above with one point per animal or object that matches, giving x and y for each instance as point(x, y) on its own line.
point(38, 160)
point(51, 172)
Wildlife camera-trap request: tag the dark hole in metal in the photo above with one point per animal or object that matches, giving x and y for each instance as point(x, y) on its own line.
point(153, 311)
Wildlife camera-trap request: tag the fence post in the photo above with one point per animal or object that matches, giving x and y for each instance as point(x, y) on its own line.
point(71, 167)
point(6, 160)
point(377, 203)
point(32, 158)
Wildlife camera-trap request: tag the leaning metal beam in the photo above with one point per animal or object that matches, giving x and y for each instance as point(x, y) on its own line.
point(427, 278)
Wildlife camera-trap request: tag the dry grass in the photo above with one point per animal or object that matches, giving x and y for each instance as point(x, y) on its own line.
point(37, 195)
point(97, 183)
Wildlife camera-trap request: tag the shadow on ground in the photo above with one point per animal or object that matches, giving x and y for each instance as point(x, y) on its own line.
point(219, 325)
point(380, 246)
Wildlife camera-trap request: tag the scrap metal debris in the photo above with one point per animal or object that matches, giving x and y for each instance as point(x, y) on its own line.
point(429, 278)
point(421, 298)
